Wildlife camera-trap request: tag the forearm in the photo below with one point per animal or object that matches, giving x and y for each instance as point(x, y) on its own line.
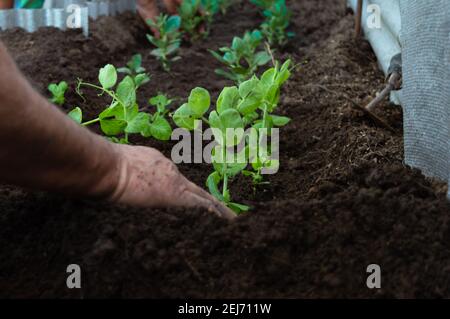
point(42, 148)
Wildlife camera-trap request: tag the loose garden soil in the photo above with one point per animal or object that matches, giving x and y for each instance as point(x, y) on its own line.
point(341, 201)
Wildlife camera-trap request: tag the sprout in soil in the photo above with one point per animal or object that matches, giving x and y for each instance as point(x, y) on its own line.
point(277, 21)
point(238, 108)
point(58, 92)
point(191, 18)
point(242, 60)
point(168, 40)
point(136, 71)
point(209, 9)
point(123, 117)
point(197, 16)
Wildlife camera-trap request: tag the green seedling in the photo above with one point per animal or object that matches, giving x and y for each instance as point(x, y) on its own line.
point(277, 21)
point(191, 18)
point(58, 92)
point(197, 16)
point(242, 59)
point(209, 9)
point(250, 105)
point(136, 71)
point(194, 110)
point(169, 40)
point(123, 117)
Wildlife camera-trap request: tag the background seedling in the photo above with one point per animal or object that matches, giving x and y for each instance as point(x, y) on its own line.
point(241, 59)
point(191, 18)
point(277, 21)
point(197, 16)
point(169, 40)
point(209, 9)
point(58, 92)
point(123, 116)
point(136, 71)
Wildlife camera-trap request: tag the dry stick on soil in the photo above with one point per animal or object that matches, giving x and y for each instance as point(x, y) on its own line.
point(375, 117)
point(358, 19)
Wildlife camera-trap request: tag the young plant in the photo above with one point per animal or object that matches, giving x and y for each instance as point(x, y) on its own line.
point(277, 21)
point(191, 18)
point(242, 59)
point(169, 39)
point(194, 110)
point(197, 16)
point(251, 105)
point(209, 8)
point(136, 71)
point(58, 92)
point(123, 117)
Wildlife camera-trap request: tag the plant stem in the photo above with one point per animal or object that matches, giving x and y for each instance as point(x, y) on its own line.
point(111, 94)
point(205, 120)
point(265, 115)
point(224, 172)
point(91, 122)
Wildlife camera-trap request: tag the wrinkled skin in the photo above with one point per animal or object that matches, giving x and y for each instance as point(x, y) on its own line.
point(42, 148)
point(148, 178)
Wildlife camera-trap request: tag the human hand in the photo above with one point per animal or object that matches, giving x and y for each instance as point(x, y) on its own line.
point(149, 179)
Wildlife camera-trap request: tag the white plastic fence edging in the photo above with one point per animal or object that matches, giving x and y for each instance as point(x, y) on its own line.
point(385, 40)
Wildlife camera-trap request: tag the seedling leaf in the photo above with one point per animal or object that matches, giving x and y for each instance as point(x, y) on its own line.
point(108, 76)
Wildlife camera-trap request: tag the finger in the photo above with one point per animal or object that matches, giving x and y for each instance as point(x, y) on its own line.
point(217, 205)
point(213, 206)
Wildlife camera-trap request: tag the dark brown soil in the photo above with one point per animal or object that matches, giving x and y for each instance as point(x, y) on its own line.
point(341, 201)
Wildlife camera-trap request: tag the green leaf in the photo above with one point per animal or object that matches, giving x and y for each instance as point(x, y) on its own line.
point(199, 101)
point(161, 102)
point(280, 120)
point(108, 76)
point(114, 111)
point(226, 74)
point(139, 123)
point(284, 73)
point(160, 129)
point(141, 79)
point(228, 99)
point(262, 58)
point(124, 70)
point(252, 95)
point(238, 208)
point(268, 76)
point(112, 126)
point(231, 118)
point(135, 62)
point(173, 24)
point(126, 91)
point(76, 114)
point(184, 118)
point(212, 182)
point(245, 88)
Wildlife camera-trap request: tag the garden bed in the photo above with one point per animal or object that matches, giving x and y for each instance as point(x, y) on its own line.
point(341, 201)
